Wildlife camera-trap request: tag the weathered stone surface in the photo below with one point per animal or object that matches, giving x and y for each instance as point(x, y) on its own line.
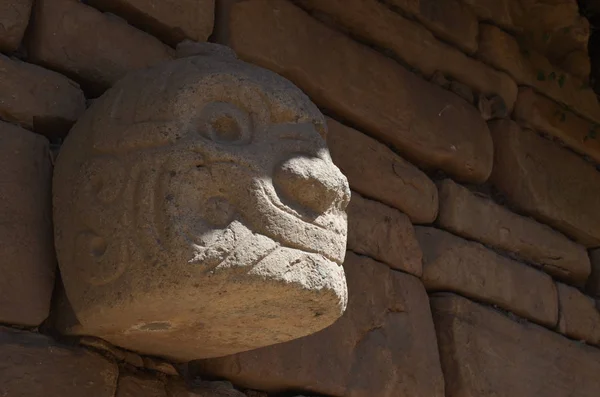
point(38, 99)
point(577, 63)
point(542, 114)
point(34, 365)
point(14, 17)
point(579, 318)
point(383, 233)
point(176, 388)
point(171, 20)
point(376, 172)
point(28, 263)
point(554, 185)
point(61, 39)
point(530, 68)
point(428, 125)
point(593, 284)
point(485, 353)
point(160, 252)
point(189, 48)
point(130, 385)
point(500, 12)
point(478, 218)
point(450, 20)
point(383, 346)
point(453, 264)
point(414, 44)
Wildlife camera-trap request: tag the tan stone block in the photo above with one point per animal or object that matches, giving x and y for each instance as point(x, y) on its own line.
point(428, 125)
point(384, 234)
point(384, 345)
point(172, 20)
point(542, 114)
point(579, 318)
point(26, 246)
point(61, 39)
point(450, 20)
point(376, 172)
point(415, 45)
point(593, 284)
point(485, 353)
point(477, 218)
point(14, 18)
point(499, 12)
point(176, 388)
point(467, 268)
point(547, 181)
point(578, 63)
point(130, 385)
point(34, 365)
point(38, 99)
point(532, 69)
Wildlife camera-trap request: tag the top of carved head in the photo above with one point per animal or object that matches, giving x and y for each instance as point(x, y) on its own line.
point(194, 196)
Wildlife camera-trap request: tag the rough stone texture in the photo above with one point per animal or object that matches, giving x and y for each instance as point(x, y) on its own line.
point(579, 318)
point(130, 385)
point(14, 17)
point(500, 12)
point(450, 20)
point(578, 63)
point(376, 172)
point(38, 99)
point(478, 218)
point(176, 388)
point(383, 233)
point(161, 251)
point(172, 20)
point(414, 44)
point(542, 114)
point(27, 264)
point(485, 353)
point(453, 264)
point(593, 284)
point(383, 346)
point(554, 185)
point(428, 125)
point(61, 39)
point(530, 68)
point(34, 365)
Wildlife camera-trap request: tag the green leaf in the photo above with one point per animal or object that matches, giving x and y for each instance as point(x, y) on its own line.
point(561, 80)
point(552, 76)
point(541, 76)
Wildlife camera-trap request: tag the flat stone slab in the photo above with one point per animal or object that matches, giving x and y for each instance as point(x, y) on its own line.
point(453, 264)
point(14, 18)
point(428, 125)
point(28, 259)
point(34, 365)
point(555, 186)
point(579, 318)
point(479, 218)
point(485, 353)
point(384, 345)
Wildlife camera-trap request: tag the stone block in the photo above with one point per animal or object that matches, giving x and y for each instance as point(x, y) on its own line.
point(485, 353)
point(61, 39)
point(28, 260)
point(593, 284)
point(384, 234)
point(198, 213)
point(467, 268)
point(425, 123)
point(532, 69)
point(543, 114)
point(130, 385)
point(38, 99)
point(172, 20)
point(477, 218)
point(414, 45)
point(176, 388)
point(384, 345)
point(579, 318)
point(34, 365)
point(578, 63)
point(377, 172)
point(499, 12)
point(14, 18)
point(547, 181)
point(451, 20)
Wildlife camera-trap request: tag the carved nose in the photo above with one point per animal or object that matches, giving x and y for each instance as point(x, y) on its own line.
point(312, 183)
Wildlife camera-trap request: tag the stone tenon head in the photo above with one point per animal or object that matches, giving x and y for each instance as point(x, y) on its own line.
point(198, 213)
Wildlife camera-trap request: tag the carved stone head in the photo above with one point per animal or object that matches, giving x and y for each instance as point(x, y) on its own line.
point(198, 213)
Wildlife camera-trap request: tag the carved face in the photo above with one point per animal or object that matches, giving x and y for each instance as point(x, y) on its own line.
point(193, 175)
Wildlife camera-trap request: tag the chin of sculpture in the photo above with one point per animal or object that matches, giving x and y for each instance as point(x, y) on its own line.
point(198, 213)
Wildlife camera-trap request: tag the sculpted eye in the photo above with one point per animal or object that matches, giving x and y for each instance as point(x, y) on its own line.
point(225, 123)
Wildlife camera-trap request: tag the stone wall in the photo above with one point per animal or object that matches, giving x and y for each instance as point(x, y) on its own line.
point(468, 131)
